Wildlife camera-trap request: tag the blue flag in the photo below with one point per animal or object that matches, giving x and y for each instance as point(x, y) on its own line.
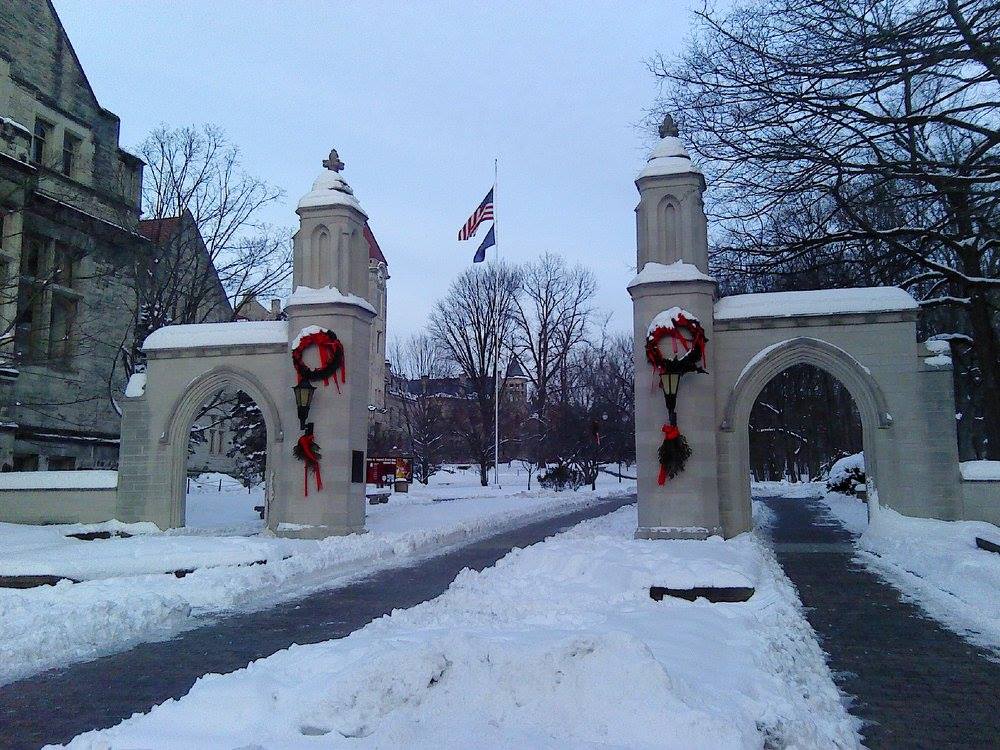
point(488, 241)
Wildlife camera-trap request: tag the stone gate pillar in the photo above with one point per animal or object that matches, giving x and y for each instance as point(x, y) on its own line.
point(330, 278)
point(672, 259)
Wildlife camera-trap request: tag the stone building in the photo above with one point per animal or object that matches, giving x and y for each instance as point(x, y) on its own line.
point(378, 275)
point(69, 210)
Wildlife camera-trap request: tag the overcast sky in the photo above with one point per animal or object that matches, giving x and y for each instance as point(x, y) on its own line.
point(417, 98)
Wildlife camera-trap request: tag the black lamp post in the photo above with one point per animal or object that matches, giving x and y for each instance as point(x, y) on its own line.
point(303, 400)
point(670, 382)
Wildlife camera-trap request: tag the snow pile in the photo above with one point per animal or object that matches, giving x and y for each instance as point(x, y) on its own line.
point(668, 158)
point(330, 189)
point(238, 333)
point(676, 271)
point(126, 598)
point(937, 565)
point(980, 471)
point(306, 295)
point(558, 645)
point(940, 351)
point(820, 302)
point(136, 385)
point(86, 479)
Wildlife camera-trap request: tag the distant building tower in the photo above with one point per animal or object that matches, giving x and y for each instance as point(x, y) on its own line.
point(516, 382)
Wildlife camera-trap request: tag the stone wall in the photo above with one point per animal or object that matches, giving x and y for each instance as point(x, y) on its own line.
point(981, 500)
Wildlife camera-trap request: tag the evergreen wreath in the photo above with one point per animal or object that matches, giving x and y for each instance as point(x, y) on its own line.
point(331, 358)
point(687, 337)
point(684, 333)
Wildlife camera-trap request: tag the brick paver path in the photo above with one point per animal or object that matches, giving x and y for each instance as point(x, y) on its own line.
point(55, 706)
point(915, 684)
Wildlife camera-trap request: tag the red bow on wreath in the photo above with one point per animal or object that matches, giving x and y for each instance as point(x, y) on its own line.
point(331, 359)
point(307, 450)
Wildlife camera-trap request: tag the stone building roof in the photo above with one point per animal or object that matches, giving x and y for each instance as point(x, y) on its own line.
point(514, 369)
point(159, 230)
point(374, 251)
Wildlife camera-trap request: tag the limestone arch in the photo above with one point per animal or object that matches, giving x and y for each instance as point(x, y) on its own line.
point(177, 428)
point(764, 367)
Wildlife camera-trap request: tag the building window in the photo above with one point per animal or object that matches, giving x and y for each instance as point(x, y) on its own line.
point(71, 154)
point(25, 462)
point(63, 265)
point(28, 329)
point(42, 135)
point(61, 463)
point(61, 319)
point(32, 253)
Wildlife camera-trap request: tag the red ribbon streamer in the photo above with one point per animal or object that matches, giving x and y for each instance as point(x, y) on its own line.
point(311, 462)
point(670, 432)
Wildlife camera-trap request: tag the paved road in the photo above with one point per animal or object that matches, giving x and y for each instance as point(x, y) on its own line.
point(916, 685)
point(56, 706)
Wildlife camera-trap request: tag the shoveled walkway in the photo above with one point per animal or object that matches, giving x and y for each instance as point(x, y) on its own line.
point(916, 685)
point(55, 706)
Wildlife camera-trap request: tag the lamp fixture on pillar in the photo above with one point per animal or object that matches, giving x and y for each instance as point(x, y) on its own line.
point(303, 400)
point(670, 382)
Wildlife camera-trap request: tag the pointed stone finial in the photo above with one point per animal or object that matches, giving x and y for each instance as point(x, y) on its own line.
point(668, 128)
point(333, 162)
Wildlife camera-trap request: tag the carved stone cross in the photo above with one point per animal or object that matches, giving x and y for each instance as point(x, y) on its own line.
point(668, 127)
point(333, 161)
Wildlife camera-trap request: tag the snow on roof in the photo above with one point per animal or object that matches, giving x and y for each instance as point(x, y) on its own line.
point(14, 124)
point(669, 157)
point(676, 271)
point(218, 334)
point(330, 189)
point(90, 479)
point(973, 471)
point(820, 302)
point(305, 295)
point(136, 385)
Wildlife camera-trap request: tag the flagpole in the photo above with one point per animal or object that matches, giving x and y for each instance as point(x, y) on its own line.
point(496, 333)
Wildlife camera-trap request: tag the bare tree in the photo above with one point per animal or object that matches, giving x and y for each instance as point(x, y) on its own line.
point(473, 321)
point(418, 361)
point(195, 177)
point(875, 124)
point(550, 319)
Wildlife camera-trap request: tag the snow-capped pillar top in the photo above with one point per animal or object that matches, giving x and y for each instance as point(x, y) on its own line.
point(330, 247)
point(671, 217)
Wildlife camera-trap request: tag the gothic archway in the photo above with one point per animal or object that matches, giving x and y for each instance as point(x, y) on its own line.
point(177, 427)
point(758, 372)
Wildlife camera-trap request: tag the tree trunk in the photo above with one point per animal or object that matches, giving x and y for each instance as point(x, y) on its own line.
point(987, 352)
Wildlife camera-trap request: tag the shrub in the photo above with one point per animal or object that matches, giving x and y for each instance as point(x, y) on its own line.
point(562, 477)
point(847, 476)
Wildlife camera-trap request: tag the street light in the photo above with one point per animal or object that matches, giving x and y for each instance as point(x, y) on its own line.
point(303, 400)
point(670, 382)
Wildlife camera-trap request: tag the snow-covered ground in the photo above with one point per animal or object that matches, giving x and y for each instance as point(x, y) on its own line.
point(125, 597)
point(558, 645)
point(933, 563)
point(937, 565)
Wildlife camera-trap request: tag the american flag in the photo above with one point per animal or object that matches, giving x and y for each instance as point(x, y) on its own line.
point(483, 213)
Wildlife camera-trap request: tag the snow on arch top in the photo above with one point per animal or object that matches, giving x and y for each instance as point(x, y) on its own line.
point(820, 302)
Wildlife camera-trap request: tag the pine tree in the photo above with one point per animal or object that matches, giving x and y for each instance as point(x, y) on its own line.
point(249, 440)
